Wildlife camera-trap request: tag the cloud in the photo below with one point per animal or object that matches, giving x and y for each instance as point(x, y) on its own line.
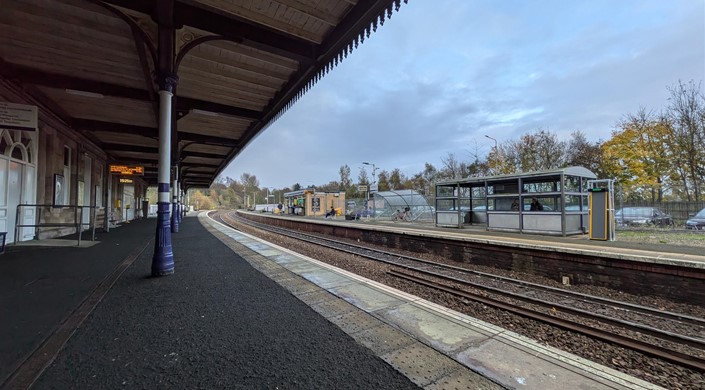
point(440, 75)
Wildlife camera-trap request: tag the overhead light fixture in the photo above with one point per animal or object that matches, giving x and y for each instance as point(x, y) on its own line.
point(206, 113)
point(84, 93)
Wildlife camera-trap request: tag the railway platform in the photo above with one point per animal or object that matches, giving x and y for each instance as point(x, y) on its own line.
point(667, 271)
point(242, 313)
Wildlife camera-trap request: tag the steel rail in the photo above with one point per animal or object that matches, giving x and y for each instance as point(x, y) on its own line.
point(590, 298)
point(645, 329)
point(628, 325)
point(676, 357)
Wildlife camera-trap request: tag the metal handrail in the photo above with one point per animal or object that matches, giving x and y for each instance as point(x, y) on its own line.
point(78, 223)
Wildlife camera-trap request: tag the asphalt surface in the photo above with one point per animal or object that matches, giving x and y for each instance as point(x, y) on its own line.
point(216, 323)
point(40, 287)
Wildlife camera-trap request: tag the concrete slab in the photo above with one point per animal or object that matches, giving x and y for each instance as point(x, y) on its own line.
point(421, 364)
point(366, 298)
point(324, 278)
point(383, 339)
point(441, 332)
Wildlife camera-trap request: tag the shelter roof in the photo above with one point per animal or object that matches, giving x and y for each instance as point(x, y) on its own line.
point(240, 64)
point(568, 171)
point(403, 198)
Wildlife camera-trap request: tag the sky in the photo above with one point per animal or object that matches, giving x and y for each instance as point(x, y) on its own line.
point(440, 76)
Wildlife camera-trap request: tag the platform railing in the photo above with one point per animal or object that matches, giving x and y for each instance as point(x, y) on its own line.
point(77, 223)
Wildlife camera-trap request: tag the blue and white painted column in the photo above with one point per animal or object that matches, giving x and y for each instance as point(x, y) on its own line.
point(163, 259)
point(179, 201)
point(174, 202)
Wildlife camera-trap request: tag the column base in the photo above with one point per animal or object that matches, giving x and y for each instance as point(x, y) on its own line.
point(163, 259)
point(174, 219)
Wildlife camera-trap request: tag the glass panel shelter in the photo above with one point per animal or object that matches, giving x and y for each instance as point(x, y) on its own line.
point(548, 202)
point(386, 204)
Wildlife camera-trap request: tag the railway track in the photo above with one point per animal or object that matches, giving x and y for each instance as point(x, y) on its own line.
point(673, 337)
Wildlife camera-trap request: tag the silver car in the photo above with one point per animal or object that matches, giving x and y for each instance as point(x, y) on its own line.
point(697, 221)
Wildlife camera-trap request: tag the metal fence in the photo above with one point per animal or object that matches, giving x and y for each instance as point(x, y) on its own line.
point(680, 211)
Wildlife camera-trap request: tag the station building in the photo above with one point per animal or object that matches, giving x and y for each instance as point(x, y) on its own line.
point(314, 203)
point(53, 180)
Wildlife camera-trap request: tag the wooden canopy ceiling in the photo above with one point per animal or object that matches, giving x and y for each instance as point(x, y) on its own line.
point(240, 63)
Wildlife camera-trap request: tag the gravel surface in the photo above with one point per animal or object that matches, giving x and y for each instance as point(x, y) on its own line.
point(644, 367)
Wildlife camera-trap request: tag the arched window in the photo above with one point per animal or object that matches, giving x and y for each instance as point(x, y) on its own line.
point(17, 144)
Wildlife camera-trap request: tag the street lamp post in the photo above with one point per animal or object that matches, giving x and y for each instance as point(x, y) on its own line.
point(374, 171)
point(374, 182)
point(495, 141)
point(270, 195)
point(494, 155)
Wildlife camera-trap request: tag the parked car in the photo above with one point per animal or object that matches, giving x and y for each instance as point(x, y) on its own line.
point(642, 216)
point(697, 221)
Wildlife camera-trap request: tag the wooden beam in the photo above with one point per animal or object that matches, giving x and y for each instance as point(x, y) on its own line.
point(208, 139)
point(188, 164)
point(314, 12)
point(151, 132)
point(200, 155)
point(215, 21)
point(185, 104)
point(31, 76)
point(129, 148)
point(36, 77)
point(94, 125)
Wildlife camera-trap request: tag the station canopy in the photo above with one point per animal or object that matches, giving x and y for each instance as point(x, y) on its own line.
point(386, 203)
point(93, 65)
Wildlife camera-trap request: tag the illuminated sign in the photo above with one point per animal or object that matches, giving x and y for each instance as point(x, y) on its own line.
point(128, 181)
point(127, 169)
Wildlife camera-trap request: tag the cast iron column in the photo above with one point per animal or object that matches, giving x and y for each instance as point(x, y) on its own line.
point(174, 202)
point(181, 203)
point(163, 259)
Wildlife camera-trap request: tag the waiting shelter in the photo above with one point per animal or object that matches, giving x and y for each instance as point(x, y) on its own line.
point(314, 203)
point(547, 202)
point(386, 204)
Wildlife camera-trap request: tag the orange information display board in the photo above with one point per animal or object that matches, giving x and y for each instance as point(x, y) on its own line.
point(127, 169)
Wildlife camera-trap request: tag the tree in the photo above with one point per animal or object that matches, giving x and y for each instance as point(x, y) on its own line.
point(362, 178)
point(345, 179)
point(686, 116)
point(383, 181)
point(430, 173)
point(583, 153)
point(503, 159)
point(396, 179)
point(202, 201)
point(636, 156)
point(538, 151)
point(451, 167)
point(332, 186)
point(249, 181)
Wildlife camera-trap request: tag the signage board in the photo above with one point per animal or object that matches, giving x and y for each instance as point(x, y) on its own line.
point(18, 116)
point(126, 181)
point(361, 188)
point(127, 169)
